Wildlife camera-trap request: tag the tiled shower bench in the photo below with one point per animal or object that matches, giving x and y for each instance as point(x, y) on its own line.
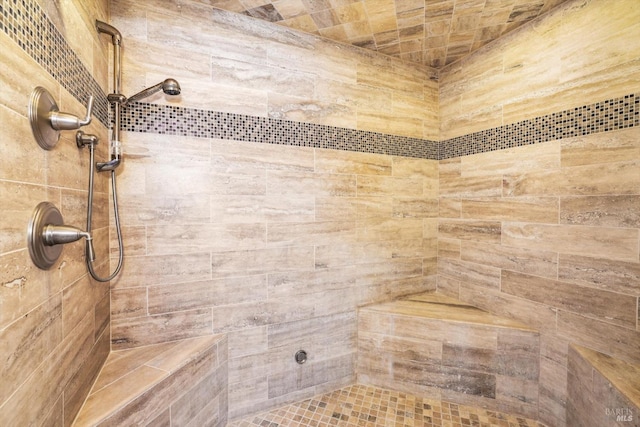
point(174, 383)
point(435, 346)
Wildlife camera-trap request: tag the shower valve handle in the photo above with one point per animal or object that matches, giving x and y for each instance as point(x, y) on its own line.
point(68, 121)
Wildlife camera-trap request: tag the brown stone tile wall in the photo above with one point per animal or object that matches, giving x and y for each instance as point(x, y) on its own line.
point(601, 390)
point(551, 241)
point(54, 324)
point(274, 245)
point(478, 364)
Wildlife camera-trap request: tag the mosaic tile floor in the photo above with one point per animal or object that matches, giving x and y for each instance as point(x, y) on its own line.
point(366, 406)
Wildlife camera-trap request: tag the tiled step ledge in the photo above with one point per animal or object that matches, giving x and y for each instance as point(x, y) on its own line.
point(438, 306)
point(437, 347)
point(173, 383)
point(602, 390)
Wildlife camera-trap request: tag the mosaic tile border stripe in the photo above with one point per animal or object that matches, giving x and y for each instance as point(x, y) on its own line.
point(28, 25)
point(171, 120)
point(604, 116)
point(613, 114)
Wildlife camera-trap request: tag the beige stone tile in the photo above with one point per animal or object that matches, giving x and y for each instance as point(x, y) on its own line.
point(29, 340)
point(254, 314)
point(185, 352)
point(175, 181)
point(316, 184)
point(374, 208)
point(372, 230)
point(22, 158)
point(247, 341)
point(78, 299)
point(140, 331)
point(525, 209)
point(415, 208)
point(606, 242)
point(389, 186)
point(197, 407)
point(302, 109)
point(393, 124)
point(333, 64)
point(528, 312)
point(600, 273)
point(545, 156)
point(336, 208)
point(346, 254)
point(610, 369)
point(192, 64)
point(308, 282)
point(536, 262)
point(385, 272)
point(388, 79)
point(346, 162)
point(592, 180)
point(119, 364)
point(253, 209)
point(604, 211)
point(483, 186)
point(448, 286)
point(449, 207)
point(449, 248)
point(608, 147)
point(18, 203)
point(237, 157)
point(163, 209)
point(23, 286)
point(305, 233)
point(141, 271)
point(476, 274)
point(247, 396)
point(176, 239)
point(134, 240)
point(616, 341)
point(196, 295)
point(478, 231)
point(233, 73)
point(262, 261)
point(601, 305)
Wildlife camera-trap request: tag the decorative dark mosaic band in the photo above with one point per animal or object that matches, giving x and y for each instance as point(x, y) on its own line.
point(612, 114)
point(27, 24)
point(171, 120)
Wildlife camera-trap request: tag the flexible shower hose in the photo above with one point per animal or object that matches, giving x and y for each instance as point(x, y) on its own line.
point(116, 216)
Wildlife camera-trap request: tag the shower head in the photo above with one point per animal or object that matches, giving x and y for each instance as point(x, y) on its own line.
point(169, 86)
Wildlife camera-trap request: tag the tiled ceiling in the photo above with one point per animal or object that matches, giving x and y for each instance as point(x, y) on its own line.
point(431, 32)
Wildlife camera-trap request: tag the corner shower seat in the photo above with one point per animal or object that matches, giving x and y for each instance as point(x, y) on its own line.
point(438, 347)
point(172, 383)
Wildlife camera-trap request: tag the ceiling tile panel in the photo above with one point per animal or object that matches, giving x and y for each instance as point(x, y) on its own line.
point(430, 32)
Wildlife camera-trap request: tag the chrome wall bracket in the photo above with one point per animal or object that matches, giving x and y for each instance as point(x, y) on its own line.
point(47, 121)
point(47, 233)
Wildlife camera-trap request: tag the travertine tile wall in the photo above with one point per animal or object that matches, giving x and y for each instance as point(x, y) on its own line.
point(548, 233)
point(602, 391)
point(54, 325)
point(275, 245)
point(236, 64)
point(583, 52)
point(438, 347)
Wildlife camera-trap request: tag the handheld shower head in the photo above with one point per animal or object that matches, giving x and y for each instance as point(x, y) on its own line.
point(169, 86)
